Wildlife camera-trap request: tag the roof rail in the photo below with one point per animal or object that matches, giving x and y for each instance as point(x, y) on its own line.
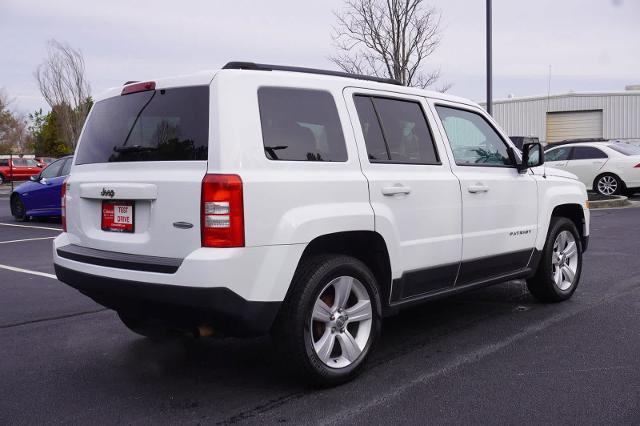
point(265, 67)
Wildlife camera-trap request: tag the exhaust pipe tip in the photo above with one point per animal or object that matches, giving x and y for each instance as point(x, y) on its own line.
point(205, 330)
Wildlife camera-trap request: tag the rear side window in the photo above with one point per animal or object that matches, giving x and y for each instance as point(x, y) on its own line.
point(376, 147)
point(401, 135)
point(4, 162)
point(558, 154)
point(300, 125)
point(587, 153)
point(159, 125)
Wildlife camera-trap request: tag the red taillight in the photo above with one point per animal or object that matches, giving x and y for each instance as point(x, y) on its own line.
point(63, 204)
point(138, 87)
point(637, 166)
point(222, 211)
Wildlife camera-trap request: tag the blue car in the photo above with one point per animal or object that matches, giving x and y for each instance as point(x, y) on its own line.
point(40, 196)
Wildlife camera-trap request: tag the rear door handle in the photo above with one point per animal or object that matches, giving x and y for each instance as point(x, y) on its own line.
point(478, 188)
point(395, 190)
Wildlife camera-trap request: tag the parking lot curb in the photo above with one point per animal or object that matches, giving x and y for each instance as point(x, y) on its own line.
point(616, 201)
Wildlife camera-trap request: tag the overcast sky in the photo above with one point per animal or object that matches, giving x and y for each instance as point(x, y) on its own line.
point(591, 44)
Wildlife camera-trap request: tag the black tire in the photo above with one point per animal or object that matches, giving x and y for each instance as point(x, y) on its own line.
point(292, 328)
point(542, 285)
point(18, 210)
point(148, 327)
point(610, 177)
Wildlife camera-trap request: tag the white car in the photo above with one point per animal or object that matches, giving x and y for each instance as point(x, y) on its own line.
point(307, 204)
point(607, 167)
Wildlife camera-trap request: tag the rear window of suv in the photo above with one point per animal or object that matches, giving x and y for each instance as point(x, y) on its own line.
point(160, 125)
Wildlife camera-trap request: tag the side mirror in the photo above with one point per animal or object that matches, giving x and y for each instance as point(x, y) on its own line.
point(34, 178)
point(532, 155)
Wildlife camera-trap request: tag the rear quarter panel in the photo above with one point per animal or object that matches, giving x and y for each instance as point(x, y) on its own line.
point(285, 202)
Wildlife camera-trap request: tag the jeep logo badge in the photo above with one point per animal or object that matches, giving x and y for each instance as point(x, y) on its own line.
point(108, 193)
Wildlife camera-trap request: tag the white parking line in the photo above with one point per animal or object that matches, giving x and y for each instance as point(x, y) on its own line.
point(27, 271)
point(29, 226)
point(26, 239)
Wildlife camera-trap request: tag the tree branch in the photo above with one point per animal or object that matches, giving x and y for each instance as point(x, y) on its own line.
point(387, 38)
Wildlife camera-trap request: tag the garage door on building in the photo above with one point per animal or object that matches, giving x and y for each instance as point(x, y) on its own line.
point(573, 125)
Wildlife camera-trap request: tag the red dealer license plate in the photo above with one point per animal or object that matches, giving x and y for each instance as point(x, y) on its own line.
point(118, 216)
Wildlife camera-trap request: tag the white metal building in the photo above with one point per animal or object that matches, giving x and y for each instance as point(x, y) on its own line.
point(608, 115)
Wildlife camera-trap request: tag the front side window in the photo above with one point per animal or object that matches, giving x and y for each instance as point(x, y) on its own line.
point(557, 154)
point(300, 125)
point(587, 153)
point(401, 135)
point(52, 170)
point(472, 139)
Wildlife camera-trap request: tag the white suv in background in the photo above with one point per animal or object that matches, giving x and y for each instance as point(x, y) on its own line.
point(308, 204)
point(608, 167)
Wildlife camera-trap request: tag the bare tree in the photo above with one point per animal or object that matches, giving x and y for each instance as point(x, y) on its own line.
point(14, 136)
point(387, 38)
point(63, 84)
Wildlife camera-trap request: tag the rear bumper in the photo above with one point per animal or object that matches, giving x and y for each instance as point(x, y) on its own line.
point(218, 307)
point(260, 274)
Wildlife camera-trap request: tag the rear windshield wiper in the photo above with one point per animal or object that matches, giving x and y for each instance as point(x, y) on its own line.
point(134, 148)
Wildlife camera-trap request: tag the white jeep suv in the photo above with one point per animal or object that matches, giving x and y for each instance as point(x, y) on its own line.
point(305, 203)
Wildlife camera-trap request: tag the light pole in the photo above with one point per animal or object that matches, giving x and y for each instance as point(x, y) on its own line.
point(489, 59)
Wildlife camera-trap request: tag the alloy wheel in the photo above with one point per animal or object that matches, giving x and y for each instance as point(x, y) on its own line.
point(341, 322)
point(607, 185)
point(564, 260)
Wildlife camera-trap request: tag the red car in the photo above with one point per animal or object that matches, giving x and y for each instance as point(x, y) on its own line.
point(18, 169)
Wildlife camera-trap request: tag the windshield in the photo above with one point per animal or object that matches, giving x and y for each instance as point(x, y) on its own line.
point(626, 149)
point(160, 125)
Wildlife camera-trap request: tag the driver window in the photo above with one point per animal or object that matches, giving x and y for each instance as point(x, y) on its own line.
point(473, 141)
point(557, 154)
point(52, 169)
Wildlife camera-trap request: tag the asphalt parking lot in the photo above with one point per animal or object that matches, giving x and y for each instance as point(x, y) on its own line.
point(492, 356)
